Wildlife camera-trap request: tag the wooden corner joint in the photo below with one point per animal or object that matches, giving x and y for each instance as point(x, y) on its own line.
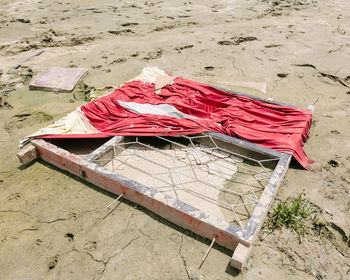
point(240, 256)
point(27, 154)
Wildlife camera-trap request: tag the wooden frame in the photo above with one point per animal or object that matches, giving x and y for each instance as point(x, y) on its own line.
point(227, 234)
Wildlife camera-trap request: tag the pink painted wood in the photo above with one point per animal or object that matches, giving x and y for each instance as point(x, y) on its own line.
point(160, 204)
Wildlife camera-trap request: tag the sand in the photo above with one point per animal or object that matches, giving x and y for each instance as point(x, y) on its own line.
point(53, 225)
point(206, 178)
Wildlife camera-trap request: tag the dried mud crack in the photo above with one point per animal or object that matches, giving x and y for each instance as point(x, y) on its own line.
point(183, 258)
point(108, 259)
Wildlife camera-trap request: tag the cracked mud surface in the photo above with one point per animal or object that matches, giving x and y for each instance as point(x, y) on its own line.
point(53, 225)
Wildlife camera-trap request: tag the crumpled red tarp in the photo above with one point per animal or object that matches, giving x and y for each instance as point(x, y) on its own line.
point(278, 127)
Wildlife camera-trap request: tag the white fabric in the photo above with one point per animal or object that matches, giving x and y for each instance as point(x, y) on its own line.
point(160, 109)
point(149, 75)
point(73, 123)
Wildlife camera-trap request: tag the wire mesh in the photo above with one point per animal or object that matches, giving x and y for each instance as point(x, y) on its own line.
point(197, 170)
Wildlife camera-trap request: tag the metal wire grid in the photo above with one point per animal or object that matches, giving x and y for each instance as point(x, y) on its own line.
point(187, 165)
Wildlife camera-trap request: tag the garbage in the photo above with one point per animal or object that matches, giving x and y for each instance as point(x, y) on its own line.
point(20, 64)
point(182, 107)
point(179, 150)
point(58, 79)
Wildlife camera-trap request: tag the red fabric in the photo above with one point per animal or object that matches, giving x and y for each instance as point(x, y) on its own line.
point(281, 128)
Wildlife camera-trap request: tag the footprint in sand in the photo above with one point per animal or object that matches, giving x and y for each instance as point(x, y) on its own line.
point(69, 236)
point(333, 163)
point(179, 49)
point(282, 75)
point(154, 54)
point(129, 24)
point(90, 245)
point(209, 68)
point(53, 262)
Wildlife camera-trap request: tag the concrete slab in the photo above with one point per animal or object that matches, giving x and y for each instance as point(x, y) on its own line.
point(58, 79)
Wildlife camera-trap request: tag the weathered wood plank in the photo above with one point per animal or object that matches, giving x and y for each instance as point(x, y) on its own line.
point(27, 154)
point(178, 212)
point(240, 256)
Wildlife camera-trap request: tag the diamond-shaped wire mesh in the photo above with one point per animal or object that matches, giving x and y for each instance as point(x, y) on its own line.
point(197, 170)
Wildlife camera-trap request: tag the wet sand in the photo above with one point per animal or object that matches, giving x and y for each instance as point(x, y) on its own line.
point(53, 225)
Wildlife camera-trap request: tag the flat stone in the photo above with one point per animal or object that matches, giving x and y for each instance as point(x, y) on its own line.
point(58, 79)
